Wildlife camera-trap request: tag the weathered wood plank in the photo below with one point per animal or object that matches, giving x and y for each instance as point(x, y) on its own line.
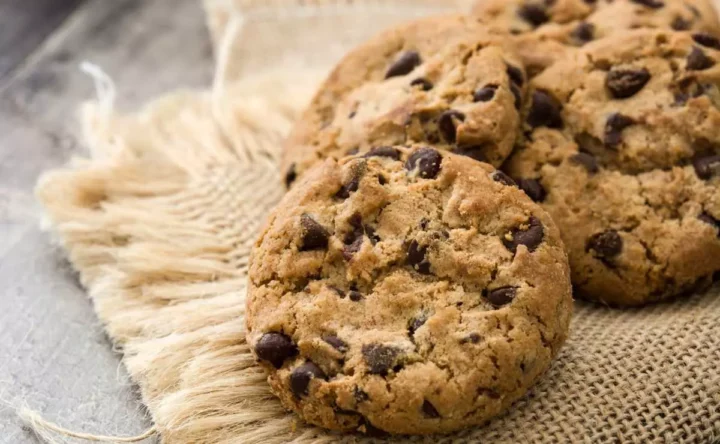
point(54, 355)
point(25, 24)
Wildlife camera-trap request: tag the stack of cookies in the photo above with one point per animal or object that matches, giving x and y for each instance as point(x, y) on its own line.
point(456, 179)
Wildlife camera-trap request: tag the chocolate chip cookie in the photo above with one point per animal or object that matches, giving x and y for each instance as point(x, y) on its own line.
point(443, 81)
point(622, 147)
point(546, 30)
point(406, 290)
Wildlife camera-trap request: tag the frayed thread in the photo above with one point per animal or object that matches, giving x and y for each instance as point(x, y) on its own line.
point(49, 431)
point(104, 86)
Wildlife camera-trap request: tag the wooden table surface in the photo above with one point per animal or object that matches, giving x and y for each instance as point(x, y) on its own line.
point(54, 356)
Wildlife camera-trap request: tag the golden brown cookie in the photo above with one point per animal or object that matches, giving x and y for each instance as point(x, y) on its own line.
point(622, 148)
point(546, 30)
point(406, 290)
point(442, 80)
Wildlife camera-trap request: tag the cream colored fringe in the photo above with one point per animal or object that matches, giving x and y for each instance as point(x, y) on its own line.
point(159, 222)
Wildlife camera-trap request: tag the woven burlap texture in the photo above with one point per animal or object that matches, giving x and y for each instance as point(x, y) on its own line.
point(159, 221)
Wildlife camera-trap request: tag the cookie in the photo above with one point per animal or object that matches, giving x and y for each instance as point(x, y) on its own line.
point(546, 31)
point(443, 81)
point(406, 290)
point(621, 146)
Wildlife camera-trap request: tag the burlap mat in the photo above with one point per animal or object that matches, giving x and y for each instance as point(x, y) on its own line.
point(160, 219)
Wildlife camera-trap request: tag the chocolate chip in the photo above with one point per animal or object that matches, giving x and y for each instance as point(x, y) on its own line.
point(698, 61)
point(345, 190)
point(416, 323)
point(708, 219)
point(654, 4)
point(707, 40)
point(474, 152)
point(357, 170)
point(356, 296)
point(405, 64)
point(275, 348)
point(314, 235)
point(502, 296)
point(360, 395)
point(485, 94)
point(614, 127)
point(338, 291)
point(290, 175)
point(624, 83)
point(424, 84)
point(429, 410)
point(704, 145)
point(355, 221)
point(416, 258)
point(300, 378)
point(353, 247)
point(447, 124)
point(584, 32)
point(499, 176)
point(680, 24)
point(707, 167)
point(352, 114)
point(531, 237)
point(606, 245)
point(337, 343)
point(545, 111)
point(690, 90)
point(516, 75)
point(533, 14)
point(384, 151)
point(472, 338)
point(428, 162)
point(533, 188)
point(380, 358)
point(371, 233)
point(587, 161)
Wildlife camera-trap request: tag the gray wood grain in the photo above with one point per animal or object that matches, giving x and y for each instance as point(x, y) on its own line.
point(24, 24)
point(54, 356)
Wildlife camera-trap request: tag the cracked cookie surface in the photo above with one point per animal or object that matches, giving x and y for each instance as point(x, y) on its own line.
point(407, 290)
point(622, 147)
point(443, 81)
point(546, 31)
